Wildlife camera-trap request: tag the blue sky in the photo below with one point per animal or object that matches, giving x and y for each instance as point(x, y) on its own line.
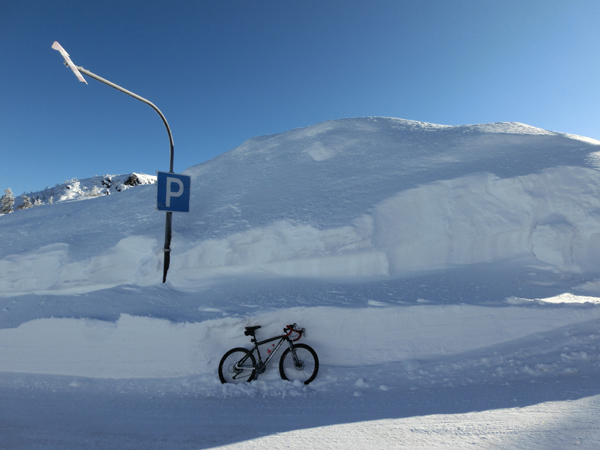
point(224, 71)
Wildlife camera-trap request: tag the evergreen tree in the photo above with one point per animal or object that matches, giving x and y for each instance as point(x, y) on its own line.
point(95, 192)
point(7, 202)
point(26, 203)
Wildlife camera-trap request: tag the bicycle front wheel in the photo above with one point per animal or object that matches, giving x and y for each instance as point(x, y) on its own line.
point(237, 366)
point(302, 366)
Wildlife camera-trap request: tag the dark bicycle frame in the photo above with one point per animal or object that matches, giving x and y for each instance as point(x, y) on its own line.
point(262, 366)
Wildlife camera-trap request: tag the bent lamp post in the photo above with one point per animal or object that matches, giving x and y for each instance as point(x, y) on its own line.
point(78, 71)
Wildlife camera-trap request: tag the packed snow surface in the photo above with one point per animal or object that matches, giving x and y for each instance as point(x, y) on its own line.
point(444, 274)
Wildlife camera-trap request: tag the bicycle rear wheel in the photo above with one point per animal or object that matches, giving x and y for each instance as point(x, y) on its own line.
point(237, 366)
point(303, 367)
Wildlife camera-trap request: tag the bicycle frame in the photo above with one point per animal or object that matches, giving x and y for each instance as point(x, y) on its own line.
point(261, 365)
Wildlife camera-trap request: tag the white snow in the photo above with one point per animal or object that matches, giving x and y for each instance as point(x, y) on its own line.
point(552, 425)
point(446, 277)
point(94, 348)
point(87, 188)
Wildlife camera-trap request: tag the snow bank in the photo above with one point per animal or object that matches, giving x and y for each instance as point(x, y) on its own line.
point(142, 347)
point(549, 425)
point(353, 199)
point(551, 216)
point(50, 270)
point(396, 203)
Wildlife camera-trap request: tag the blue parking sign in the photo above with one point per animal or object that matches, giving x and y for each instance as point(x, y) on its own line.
point(173, 192)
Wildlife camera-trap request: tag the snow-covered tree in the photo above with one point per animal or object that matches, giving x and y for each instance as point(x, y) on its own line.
point(94, 192)
point(26, 203)
point(38, 202)
point(7, 202)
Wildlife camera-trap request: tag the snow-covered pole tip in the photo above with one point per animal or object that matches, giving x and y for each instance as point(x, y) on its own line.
point(68, 62)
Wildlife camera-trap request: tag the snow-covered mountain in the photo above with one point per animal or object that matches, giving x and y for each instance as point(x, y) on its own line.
point(371, 197)
point(86, 188)
point(425, 261)
point(386, 197)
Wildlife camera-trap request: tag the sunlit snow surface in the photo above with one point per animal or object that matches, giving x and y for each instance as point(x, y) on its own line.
point(439, 270)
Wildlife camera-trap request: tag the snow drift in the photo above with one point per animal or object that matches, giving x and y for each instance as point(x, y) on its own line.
point(368, 197)
point(437, 269)
point(142, 347)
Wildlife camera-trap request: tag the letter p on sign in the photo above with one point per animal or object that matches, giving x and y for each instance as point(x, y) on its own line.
point(173, 192)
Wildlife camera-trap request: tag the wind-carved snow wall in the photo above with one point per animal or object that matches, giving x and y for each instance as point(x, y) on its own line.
point(353, 198)
point(552, 216)
point(288, 249)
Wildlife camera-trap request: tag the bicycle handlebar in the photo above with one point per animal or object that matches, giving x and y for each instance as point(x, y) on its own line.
point(289, 329)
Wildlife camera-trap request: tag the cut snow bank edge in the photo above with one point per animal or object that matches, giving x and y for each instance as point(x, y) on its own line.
point(551, 216)
point(140, 347)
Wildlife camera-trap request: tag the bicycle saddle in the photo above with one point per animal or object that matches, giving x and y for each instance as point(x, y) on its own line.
point(250, 330)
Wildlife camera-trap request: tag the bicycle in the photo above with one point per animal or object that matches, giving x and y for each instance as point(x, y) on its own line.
point(298, 361)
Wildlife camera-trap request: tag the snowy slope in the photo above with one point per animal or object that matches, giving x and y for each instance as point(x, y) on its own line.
point(86, 188)
point(369, 197)
point(425, 261)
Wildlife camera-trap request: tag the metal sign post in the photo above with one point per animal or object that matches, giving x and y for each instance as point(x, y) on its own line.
point(78, 71)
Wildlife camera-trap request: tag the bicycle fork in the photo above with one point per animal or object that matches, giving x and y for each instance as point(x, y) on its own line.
point(297, 362)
